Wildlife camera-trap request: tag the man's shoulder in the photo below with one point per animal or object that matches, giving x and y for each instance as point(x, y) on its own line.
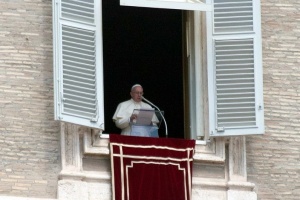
point(131, 102)
point(125, 102)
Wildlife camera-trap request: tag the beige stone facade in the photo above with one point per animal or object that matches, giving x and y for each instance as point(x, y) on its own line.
point(41, 158)
point(273, 160)
point(29, 138)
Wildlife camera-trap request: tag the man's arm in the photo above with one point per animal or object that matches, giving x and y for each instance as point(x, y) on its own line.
point(121, 117)
point(122, 123)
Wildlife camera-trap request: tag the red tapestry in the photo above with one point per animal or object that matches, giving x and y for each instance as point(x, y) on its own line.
point(146, 168)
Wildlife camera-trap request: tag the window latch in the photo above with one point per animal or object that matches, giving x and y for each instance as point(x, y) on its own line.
point(220, 129)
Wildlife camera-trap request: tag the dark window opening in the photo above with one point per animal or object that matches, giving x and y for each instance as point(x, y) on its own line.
point(143, 45)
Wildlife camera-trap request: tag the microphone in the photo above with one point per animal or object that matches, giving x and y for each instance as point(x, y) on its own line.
point(143, 98)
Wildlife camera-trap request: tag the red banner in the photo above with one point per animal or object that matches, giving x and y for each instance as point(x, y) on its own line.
point(146, 168)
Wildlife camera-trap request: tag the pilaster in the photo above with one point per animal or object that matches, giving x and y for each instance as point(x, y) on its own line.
point(238, 187)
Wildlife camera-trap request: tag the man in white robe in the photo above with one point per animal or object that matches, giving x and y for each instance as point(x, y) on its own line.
point(123, 115)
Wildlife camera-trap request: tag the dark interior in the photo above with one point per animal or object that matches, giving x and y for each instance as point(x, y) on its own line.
point(143, 45)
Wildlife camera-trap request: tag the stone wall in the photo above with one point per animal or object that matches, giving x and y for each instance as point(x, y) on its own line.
point(29, 137)
point(274, 159)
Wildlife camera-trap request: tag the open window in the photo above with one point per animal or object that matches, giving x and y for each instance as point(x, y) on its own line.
point(223, 58)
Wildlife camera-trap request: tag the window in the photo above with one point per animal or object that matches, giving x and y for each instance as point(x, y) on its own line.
point(224, 48)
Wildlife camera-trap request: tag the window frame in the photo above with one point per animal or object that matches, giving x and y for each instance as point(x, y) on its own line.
point(199, 5)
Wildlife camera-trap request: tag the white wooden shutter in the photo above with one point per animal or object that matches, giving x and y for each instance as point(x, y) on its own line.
point(235, 68)
point(78, 62)
point(169, 4)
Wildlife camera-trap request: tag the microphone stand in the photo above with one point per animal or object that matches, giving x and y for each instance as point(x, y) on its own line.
point(159, 113)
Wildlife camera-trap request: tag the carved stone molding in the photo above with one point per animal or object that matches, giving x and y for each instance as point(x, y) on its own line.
point(96, 144)
point(213, 151)
point(225, 158)
point(237, 159)
point(70, 146)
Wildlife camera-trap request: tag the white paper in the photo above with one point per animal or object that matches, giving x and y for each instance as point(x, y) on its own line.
point(144, 117)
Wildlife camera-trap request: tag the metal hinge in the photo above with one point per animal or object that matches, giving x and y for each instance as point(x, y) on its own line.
point(220, 129)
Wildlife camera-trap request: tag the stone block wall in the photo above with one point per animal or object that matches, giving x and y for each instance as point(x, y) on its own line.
point(29, 137)
point(274, 159)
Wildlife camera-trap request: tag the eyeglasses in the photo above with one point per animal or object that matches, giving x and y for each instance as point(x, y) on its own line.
point(139, 93)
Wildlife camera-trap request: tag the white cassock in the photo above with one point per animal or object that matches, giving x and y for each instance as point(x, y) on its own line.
point(123, 113)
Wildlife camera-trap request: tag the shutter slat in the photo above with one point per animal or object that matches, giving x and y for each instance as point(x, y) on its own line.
point(78, 113)
point(80, 80)
point(79, 65)
point(78, 89)
point(79, 75)
point(79, 69)
point(71, 56)
point(82, 95)
point(79, 98)
point(82, 104)
point(228, 109)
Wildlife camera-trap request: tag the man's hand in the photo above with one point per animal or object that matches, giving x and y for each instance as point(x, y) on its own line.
point(133, 117)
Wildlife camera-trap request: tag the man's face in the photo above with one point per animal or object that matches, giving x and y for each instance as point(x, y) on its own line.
point(137, 93)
